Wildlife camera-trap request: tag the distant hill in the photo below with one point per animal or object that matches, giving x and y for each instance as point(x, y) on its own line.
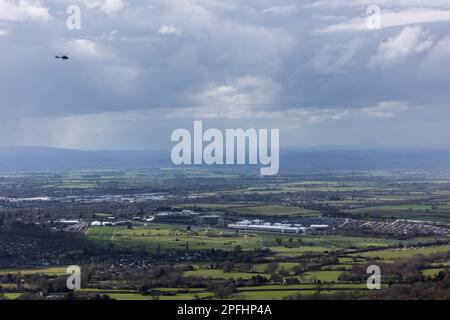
point(365, 159)
point(44, 158)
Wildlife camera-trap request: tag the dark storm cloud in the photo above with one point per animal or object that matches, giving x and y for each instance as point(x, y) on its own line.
point(306, 60)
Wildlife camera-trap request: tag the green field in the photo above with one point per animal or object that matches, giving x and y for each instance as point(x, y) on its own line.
point(323, 276)
point(282, 265)
point(270, 210)
point(171, 237)
point(137, 296)
point(50, 271)
point(404, 253)
point(431, 272)
point(11, 295)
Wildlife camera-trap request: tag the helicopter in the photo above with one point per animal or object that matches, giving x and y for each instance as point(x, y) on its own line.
point(62, 56)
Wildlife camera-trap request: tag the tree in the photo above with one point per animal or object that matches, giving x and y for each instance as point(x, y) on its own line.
point(227, 266)
point(272, 268)
point(223, 290)
point(283, 272)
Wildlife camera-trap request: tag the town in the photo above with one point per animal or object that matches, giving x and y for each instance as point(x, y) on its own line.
point(166, 234)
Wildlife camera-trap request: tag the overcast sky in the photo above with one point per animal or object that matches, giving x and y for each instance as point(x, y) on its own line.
point(140, 69)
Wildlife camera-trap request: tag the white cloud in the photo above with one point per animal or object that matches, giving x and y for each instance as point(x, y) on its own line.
point(387, 109)
point(440, 54)
point(169, 29)
point(289, 118)
point(326, 4)
point(254, 91)
point(391, 18)
point(282, 9)
point(109, 7)
point(23, 10)
point(83, 48)
point(245, 97)
point(410, 41)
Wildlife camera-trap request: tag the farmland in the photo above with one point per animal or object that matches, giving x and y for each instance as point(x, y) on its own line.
point(168, 237)
point(287, 256)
